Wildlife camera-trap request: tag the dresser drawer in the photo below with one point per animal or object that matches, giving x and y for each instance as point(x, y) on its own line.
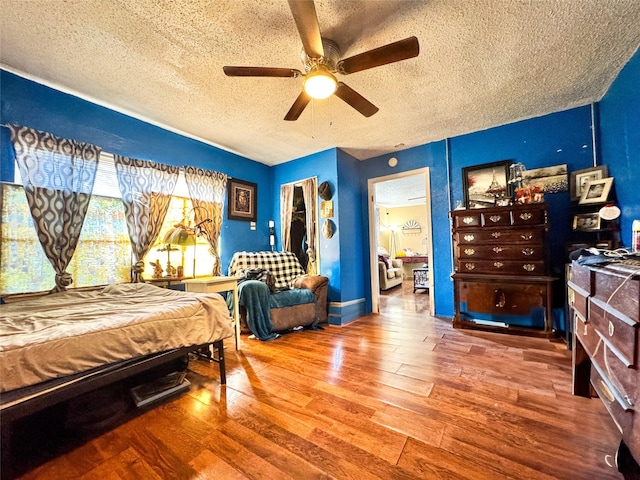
point(578, 299)
point(528, 216)
point(585, 334)
point(495, 236)
point(502, 252)
point(581, 277)
point(622, 376)
point(496, 219)
point(470, 219)
point(502, 298)
point(501, 267)
point(623, 417)
point(621, 337)
point(618, 288)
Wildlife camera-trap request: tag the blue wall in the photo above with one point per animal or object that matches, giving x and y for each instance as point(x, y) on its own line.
point(620, 141)
point(432, 155)
point(556, 139)
point(28, 103)
point(323, 166)
point(559, 138)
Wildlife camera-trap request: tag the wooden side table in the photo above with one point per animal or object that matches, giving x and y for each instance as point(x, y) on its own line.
point(216, 285)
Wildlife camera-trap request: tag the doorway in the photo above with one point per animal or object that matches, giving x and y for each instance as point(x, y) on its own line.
point(400, 220)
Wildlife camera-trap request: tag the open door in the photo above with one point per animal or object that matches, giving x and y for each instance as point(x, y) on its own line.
point(406, 188)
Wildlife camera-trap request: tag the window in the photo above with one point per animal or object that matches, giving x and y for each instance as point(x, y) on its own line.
point(103, 254)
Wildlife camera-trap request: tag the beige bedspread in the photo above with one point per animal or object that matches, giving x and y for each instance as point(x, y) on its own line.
point(70, 332)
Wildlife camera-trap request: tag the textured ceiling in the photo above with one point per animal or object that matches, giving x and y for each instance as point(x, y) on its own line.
point(482, 63)
point(406, 191)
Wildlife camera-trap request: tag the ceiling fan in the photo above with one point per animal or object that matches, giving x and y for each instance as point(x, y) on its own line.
point(321, 58)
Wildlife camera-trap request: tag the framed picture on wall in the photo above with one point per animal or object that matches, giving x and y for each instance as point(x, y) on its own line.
point(580, 178)
point(483, 184)
point(242, 201)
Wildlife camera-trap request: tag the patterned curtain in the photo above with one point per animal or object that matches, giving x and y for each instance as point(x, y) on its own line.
point(207, 190)
point(309, 193)
point(58, 176)
point(286, 213)
point(146, 189)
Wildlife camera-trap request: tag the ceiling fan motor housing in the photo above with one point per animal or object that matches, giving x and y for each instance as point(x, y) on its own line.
point(329, 60)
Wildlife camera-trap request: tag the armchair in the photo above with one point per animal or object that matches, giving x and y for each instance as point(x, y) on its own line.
point(389, 272)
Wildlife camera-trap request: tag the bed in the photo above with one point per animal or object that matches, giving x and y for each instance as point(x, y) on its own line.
point(61, 345)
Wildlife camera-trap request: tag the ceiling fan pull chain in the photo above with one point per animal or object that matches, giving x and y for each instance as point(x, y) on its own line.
point(313, 122)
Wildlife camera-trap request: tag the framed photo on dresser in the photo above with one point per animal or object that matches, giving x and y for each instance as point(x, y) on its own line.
point(483, 184)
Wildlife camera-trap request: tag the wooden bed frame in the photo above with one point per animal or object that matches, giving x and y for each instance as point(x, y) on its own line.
point(44, 395)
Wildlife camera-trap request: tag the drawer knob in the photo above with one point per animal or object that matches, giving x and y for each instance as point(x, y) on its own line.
point(526, 236)
point(606, 392)
point(469, 266)
point(497, 249)
point(529, 267)
point(500, 299)
point(611, 329)
point(528, 251)
point(469, 238)
point(526, 216)
point(586, 330)
point(467, 220)
point(498, 264)
point(469, 251)
point(496, 234)
point(495, 218)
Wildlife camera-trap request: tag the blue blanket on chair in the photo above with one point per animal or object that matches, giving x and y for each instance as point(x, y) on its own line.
point(257, 299)
point(254, 296)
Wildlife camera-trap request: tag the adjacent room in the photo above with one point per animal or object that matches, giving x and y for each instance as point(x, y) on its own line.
point(320, 239)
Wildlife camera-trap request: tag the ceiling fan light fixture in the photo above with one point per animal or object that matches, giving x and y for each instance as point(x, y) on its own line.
point(320, 84)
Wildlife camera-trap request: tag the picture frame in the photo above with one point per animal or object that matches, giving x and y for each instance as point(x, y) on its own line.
point(586, 222)
point(552, 179)
point(579, 178)
point(326, 209)
point(242, 201)
point(596, 191)
point(483, 184)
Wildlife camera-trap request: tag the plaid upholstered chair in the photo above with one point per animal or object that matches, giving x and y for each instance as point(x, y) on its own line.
point(297, 299)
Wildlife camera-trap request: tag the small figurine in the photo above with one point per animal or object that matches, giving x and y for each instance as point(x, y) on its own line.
point(157, 269)
point(171, 270)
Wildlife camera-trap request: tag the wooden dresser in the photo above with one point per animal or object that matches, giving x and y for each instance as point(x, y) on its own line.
point(501, 280)
point(605, 303)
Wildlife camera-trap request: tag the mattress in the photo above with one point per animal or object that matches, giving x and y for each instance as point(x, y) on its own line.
point(67, 333)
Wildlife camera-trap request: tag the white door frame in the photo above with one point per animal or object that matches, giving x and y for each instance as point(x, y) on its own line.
point(373, 235)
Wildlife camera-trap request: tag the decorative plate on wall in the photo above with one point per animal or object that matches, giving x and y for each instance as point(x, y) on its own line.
point(411, 225)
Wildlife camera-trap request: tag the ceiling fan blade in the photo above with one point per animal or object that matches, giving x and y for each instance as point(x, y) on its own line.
point(393, 52)
point(298, 106)
point(304, 14)
point(357, 101)
point(261, 72)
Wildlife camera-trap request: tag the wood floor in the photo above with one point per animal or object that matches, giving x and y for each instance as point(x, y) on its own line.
point(397, 395)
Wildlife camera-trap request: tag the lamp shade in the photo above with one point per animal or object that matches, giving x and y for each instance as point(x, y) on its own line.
point(179, 236)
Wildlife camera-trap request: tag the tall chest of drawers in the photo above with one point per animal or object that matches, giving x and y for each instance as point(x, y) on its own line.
point(605, 301)
point(501, 277)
